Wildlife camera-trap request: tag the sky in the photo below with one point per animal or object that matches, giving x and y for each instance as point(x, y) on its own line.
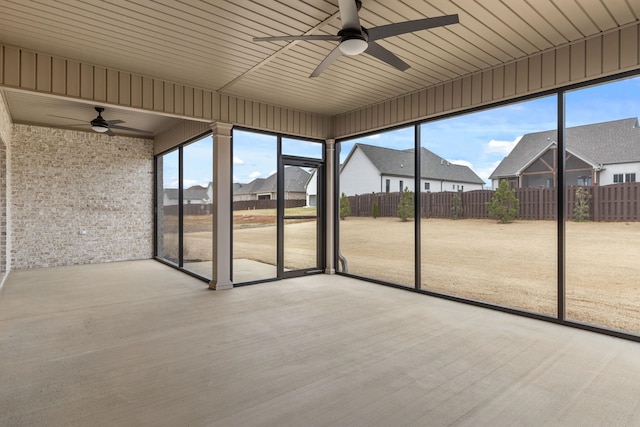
point(479, 140)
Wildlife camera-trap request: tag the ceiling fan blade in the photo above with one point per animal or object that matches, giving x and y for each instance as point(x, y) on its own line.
point(349, 15)
point(110, 133)
point(328, 60)
point(303, 37)
point(146, 132)
point(68, 118)
point(385, 55)
point(114, 122)
point(385, 31)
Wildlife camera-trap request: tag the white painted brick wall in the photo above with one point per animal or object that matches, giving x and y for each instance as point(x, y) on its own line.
point(79, 197)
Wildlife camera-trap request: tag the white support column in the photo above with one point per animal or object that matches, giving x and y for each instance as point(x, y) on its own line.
point(330, 168)
point(221, 259)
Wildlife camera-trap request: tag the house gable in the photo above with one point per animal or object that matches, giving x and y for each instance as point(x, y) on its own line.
point(596, 144)
point(358, 174)
point(296, 180)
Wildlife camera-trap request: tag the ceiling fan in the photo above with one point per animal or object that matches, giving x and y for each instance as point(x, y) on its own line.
point(354, 39)
point(100, 125)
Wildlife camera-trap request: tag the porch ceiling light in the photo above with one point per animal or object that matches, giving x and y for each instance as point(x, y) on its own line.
point(99, 127)
point(353, 45)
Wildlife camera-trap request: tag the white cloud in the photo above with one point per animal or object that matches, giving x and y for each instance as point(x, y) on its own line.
point(171, 182)
point(484, 173)
point(186, 183)
point(255, 174)
point(501, 147)
point(374, 136)
point(462, 163)
point(237, 160)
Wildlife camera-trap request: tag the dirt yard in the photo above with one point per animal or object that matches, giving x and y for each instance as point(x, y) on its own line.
point(512, 265)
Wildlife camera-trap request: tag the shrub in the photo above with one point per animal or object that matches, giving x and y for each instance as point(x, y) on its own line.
point(581, 207)
point(456, 208)
point(504, 205)
point(405, 207)
point(345, 206)
point(375, 212)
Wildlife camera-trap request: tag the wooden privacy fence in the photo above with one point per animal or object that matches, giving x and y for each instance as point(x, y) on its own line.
point(244, 205)
point(206, 209)
point(616, 202)
point(188, 209)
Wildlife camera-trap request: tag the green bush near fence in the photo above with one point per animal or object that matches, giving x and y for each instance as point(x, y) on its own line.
point(406, 207)
point(375, 211)
point(345, 206)
point(456, 207)
point(504, 205)
point(581, 208)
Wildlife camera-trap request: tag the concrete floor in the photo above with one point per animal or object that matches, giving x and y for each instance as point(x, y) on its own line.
point(138, 343)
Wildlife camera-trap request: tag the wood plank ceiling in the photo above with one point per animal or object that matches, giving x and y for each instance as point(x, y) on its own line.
point(208, 43)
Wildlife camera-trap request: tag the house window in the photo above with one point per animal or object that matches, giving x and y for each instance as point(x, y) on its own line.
point(388, 185)
point(401, 185)
point(618, 178)
point(264, 196)
point(426, 186)
point(584, 180)
point(630, 177)
point(453, 186)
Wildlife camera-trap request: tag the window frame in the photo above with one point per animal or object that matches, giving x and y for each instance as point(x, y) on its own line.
point(559, 93)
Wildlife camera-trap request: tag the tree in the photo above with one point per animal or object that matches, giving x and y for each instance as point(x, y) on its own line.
point(405, 207)
point(456, 208)
point(345, 206)
point(581, 207)
point(504, 205)
point(375, 211)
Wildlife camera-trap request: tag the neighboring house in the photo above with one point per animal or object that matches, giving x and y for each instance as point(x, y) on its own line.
point(601, 153)
point(258, 189)
point(295, 186)
point(371, 169)
point(312, 189)
point(194, 195)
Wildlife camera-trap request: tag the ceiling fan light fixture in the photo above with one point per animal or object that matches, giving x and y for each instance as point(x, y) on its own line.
point(98, 127)
point(353, 46)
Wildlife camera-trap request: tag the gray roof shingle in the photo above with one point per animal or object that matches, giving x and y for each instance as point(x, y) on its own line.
point(603, 143)
point(196, 192)
point(400, 163)
point(296, 180)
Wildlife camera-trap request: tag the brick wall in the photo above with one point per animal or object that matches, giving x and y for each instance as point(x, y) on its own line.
point(5, 121)
point(6, 127)
point(3, 210)
point(79, 197)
